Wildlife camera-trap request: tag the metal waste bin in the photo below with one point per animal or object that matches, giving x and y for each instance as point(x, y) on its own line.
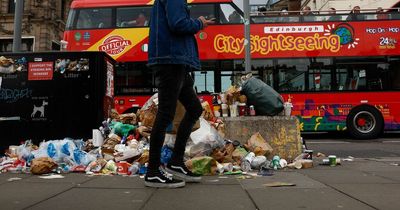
point(53, 95)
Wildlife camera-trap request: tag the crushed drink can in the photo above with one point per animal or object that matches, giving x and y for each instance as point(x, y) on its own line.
point(245, 166)
point(122, 168)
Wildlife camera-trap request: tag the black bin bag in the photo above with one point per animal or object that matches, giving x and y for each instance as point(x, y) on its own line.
point(265, 99)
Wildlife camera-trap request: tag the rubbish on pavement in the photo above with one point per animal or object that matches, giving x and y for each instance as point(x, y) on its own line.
point(166, 154)
point(394, 164)
point(275, 163)
point(279, 184)
point(208, 114)
point(349, 158)
point(306, 164)
point(202, 165)
point(207, 134)
point(121, 146)
point(332, 160)
point(309, 154)
point(321, 154)
point(97, 137)
point(246, 161)
point(258, 161)
point(220, 168)
point(228, 167)
point(14, 179)
point(245, 177)
point(52, 176)
point(233, 172)
point(110, 168)
point(43, 165)
point(134, 168)
point(144, 158)
point(258, 145)
point(295, 165)
point(283, 163)
point(325, 162)
point(245, 166)
point(239, 153)
point(122, 167)
point(265, 172)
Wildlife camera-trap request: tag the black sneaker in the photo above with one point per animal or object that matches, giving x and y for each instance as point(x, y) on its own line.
point(181, 171)
point(161, 180)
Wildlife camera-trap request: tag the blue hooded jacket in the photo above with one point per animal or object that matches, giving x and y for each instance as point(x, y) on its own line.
point(172, 31)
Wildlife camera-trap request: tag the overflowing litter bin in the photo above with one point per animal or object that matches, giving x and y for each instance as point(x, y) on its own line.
point(53, 95)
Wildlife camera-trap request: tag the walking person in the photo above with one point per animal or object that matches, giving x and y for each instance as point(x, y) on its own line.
point(173, 54)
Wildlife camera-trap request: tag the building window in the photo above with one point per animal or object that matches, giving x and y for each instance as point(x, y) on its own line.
point(63, 4)
point(55, 46)
point(7, 43)
point(11, 6)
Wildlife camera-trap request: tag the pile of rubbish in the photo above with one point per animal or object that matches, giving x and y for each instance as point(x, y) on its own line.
point(121, 144)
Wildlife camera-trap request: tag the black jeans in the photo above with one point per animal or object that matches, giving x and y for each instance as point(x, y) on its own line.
point(174, 83)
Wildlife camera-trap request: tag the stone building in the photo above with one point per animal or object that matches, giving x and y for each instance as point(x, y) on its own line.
point(43, 24)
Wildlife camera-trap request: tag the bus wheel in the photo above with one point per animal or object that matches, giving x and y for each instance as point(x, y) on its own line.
point(365, 122)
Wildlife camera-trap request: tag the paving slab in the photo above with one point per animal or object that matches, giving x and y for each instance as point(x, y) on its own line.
point(4, 177)
point(199, 196)
point(85, 198)
point(381, 196)
point(392, 175)
point(292, 198)
point(300, 180)
point(344, 176)
point(19, 195)
point(379, 166)
point(114, 182)
point(220, 180)
point(73, 178)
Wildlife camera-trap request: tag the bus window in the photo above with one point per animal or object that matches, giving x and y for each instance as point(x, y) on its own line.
point(320, 75)
point(134, 79)
point(204, 79)
point(94, 18)
point(265, 69)
point(133, 17)
point(205, 10)
point(366, 74)
point(228, 14)
point(291, 73)
point(231, 73)
point(70, 21)
point(394, 73)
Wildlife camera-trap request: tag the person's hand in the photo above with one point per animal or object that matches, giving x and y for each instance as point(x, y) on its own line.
point(144, 131)
point(206, 22)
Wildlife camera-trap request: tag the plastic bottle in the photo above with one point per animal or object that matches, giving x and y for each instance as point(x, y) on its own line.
point(224, 110)
point(134, 168)
point(252, 111)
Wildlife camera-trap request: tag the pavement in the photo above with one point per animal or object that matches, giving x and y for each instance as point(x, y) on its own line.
point(365, 183)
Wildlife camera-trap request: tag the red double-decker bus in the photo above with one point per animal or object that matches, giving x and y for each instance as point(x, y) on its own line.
point(341, 72)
